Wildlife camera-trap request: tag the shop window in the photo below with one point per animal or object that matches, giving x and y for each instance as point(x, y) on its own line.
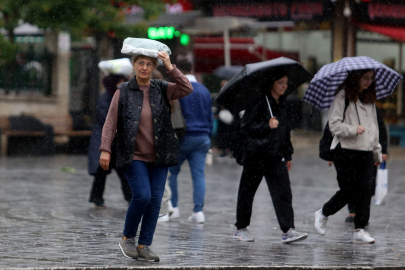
point(30, 72)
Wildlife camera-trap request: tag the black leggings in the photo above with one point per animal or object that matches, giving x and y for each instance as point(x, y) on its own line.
point(97, 190)
point(354, 172)
point(278, 182)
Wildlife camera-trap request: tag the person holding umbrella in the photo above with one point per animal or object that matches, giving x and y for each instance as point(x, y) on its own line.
point(353, 122)
point(267, 152)
point(260, 89)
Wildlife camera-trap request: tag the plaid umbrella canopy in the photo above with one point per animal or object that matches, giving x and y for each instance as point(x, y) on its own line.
point(321, 90)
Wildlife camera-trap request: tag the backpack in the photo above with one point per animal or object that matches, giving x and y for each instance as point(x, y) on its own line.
point(326, 141)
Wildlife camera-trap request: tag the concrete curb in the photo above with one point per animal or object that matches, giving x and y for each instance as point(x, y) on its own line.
point(155, 267)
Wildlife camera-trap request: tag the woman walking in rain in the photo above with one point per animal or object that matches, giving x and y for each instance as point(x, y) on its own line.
point(145, 146)
point(110, 82)
point(267, 152)
point(356, 150)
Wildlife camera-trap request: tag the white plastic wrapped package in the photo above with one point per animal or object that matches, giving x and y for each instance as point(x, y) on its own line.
point(122, 66)
point(143, 46)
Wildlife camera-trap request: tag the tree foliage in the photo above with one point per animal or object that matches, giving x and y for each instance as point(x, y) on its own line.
point(80, 17)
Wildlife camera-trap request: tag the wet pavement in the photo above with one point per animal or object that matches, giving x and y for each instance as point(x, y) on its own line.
point(46, 221)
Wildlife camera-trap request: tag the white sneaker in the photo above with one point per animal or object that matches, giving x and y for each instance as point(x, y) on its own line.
point(363, 237)
point(243, 235)
point(197, 217)
point(164, 218)
point(320, 222)
point(170, 207)
point(292, 236)
point(175, 214)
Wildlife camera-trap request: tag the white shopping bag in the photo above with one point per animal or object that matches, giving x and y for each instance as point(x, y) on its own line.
point(381, 187)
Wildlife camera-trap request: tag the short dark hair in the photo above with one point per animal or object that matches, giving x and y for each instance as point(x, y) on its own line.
point(184, 65)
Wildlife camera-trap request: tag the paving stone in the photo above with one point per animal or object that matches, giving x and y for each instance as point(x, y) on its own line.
point(46, 221)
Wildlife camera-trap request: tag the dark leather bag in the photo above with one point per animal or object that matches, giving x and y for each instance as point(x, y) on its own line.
point(326, 141)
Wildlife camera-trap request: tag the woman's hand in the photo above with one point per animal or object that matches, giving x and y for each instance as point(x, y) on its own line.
point(330, 163)
point(385, 157)
point(360, 130)
point(273, 123)
point(377, 164)
point(105, 159)
point(289, 165)
point(166, 60)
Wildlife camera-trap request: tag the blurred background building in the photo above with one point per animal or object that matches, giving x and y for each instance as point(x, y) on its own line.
point(50, 73)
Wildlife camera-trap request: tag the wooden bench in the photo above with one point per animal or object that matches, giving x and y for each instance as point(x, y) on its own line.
point(62, 126)
point(7, 132)
point(397, 131)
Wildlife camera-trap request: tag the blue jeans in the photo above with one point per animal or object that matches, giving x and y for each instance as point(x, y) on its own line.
point(194, 149)
point(147, 183)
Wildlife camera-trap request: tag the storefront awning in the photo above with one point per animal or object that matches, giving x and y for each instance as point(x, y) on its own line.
point(394, 32)
point(209, 53)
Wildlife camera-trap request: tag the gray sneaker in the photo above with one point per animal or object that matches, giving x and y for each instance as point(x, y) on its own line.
point(147, 254)
point(243, 235)
point(292, 236)
point(128, 248)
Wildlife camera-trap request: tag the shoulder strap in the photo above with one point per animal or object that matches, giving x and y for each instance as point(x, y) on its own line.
point(347, 102)
point(162, 87)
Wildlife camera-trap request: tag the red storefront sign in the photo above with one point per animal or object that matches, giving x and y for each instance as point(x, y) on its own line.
point(306, 10)
point(386, 11)
point(179, 6)
point(382, 12)
point(294, 10)
point(251, 10)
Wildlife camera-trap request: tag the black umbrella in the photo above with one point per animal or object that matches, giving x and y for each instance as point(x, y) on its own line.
point(244, 88)
point(227, 73)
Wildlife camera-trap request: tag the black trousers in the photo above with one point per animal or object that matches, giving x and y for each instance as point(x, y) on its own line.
point(373, 182)
point(97, 190)
point(354, 172)
point(278, 182)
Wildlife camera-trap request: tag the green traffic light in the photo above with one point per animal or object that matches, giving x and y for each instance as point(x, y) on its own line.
point(184, 39)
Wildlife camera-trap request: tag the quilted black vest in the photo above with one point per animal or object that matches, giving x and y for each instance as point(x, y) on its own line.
point(167, 147)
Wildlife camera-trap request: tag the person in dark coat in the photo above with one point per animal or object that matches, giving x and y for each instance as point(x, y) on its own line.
point(267, 152)
point(110, 82)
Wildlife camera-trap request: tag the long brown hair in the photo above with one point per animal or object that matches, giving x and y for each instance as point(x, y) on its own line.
point(351, 87)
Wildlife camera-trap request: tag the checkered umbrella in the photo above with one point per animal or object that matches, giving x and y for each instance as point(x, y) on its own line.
point(321, 90)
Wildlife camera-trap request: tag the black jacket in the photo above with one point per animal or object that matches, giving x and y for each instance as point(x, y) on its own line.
point(260, 139)
point(383, 136)
point(167, 147)
point(103, 105)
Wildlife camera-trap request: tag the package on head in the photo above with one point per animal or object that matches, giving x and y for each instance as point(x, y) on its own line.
point(144, 46)
point(122, 66)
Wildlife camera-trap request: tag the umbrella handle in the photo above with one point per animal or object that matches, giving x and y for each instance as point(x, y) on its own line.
point(268, 103)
